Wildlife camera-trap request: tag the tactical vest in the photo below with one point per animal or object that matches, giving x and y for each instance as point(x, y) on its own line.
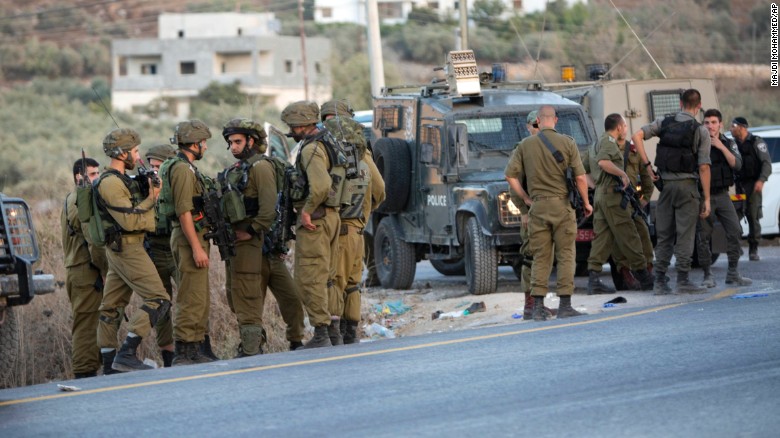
point(751, 163)
point(165, 203)
point(676, 149)
point(102, 227)
point(354, 193)
point(721, 174)
point(233, 182)
point(338, 166)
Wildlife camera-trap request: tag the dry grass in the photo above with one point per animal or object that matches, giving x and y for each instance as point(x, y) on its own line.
point(45, 323)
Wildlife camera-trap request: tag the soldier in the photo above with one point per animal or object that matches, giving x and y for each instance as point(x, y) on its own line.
point(726, 160)
point(612, 224)
point(525, 247)
point(254, 176)
point(682, 157)
point(159, 244)
point(552, 219)
point(756, 168)
point(638, 175)
point(121, 206)
point(83, 281)
point(316, 199)
point(182, 195)
point(367, 192)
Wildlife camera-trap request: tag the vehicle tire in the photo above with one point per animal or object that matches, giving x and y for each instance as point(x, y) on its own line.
point(395, 259)
point(481, 260)
point(393, 159)
point(450, 267)
point(368, 261)
point(9, 345)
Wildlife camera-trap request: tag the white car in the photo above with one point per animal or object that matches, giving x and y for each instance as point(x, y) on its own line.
point(771, 192)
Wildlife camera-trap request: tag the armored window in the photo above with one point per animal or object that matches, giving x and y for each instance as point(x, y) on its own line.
point(388, 118)
point(430, 141)
point(122, 66)
point(187, 68)
point(571, 124)
point(663, 103)
point(498, 133)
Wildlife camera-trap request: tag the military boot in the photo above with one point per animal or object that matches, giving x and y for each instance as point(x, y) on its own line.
point(565, 310)
point(252, 337)
point(188, 353)
point(643, 279)
point(539, 313)
point(206, 351)
point(167, 357)
point(126, 359)
point(350, 333)
point(294, 345)
point(685, 286)
point(334, 333)
point(631, 281)
point(84, 375)
point(753, 253)
point(108, 360)
point(528, 309)
point(320, 338)
point(733, 276)
point(661, 285)
point(709, 279)
point(595, 286)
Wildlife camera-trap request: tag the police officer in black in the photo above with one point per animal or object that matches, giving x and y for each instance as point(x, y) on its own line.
point(726, 160)
point(683, 160)
point(756, 168)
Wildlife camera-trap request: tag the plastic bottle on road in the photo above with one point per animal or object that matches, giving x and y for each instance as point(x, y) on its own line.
point(379, 330)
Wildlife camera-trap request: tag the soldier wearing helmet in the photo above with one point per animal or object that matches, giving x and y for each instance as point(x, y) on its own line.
point(182, 197)
point(318, 224)
point(251, 183)
point(369, 191)
point(120, 202)
point(160, 251)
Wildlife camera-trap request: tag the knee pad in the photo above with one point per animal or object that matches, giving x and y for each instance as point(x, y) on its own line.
point(528, 261)
point(154, 314)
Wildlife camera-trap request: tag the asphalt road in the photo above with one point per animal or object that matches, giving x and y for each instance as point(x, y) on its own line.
point(707, 368)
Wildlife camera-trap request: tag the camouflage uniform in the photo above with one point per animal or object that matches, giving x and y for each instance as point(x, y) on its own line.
point(84, 285)
point(128, 263)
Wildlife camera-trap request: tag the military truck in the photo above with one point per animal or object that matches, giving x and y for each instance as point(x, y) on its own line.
point(18, 282)
point(442, 149)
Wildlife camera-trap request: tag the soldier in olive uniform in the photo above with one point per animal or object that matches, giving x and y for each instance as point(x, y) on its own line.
point(612, 224)
point(159, 244)
point(83, 281)
point(552, 221)
point(317, 230)
point(756, 168)
point(119, 203)
point(186, 186)
point(638, 175)
point(726, 160)
point(368, 191)
point(683, 158)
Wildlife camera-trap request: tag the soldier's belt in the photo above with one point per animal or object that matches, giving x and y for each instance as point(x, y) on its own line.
point(132, 238)
point(321, 211)
point(346, 227)
point(545, 198)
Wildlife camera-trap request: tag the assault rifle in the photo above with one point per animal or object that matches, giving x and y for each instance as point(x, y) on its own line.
point(630, 197)
point(575, 199)
point(84, 174)
point(220, 232)
point(282, 229)
point(144, 175)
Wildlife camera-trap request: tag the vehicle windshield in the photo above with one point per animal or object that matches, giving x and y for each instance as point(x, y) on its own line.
point(501, 132)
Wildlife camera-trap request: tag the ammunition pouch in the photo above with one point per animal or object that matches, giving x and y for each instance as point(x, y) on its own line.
point(299, 185)
point(233, 206)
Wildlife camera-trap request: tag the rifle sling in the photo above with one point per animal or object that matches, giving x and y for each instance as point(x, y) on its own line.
point(555, 152)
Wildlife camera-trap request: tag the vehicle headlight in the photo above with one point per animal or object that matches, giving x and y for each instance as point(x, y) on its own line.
point(16, 237)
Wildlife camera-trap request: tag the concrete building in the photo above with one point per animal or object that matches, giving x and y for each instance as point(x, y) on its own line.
point(396, 11)
point(194, 50)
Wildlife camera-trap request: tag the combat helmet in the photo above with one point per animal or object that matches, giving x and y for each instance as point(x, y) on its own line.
point(120, 140)
point(247, 127)
point(301, 113)
point(336, 107)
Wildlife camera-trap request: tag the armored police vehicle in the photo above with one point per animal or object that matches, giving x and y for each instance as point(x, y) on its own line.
point(18, 282)
point(442, 149)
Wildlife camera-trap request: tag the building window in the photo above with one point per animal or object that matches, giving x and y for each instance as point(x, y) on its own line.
point(122, 66)
point(288, 66)
point(148, 69)
point(181, 34)
point(240, 31)
point(327, 12)
point(390, 10)
point(187, 68)
point(517, 5)
point(317, 68)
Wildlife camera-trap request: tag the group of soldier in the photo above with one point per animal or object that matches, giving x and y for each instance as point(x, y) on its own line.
point(163, 225)
point(696, 165)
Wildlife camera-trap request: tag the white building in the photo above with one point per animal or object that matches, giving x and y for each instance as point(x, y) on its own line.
point(396, 11)
point(194, 50)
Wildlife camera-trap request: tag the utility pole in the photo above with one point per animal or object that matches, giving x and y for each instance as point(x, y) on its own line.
point(464, 24)
point(303, 51)
point(376, 65)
